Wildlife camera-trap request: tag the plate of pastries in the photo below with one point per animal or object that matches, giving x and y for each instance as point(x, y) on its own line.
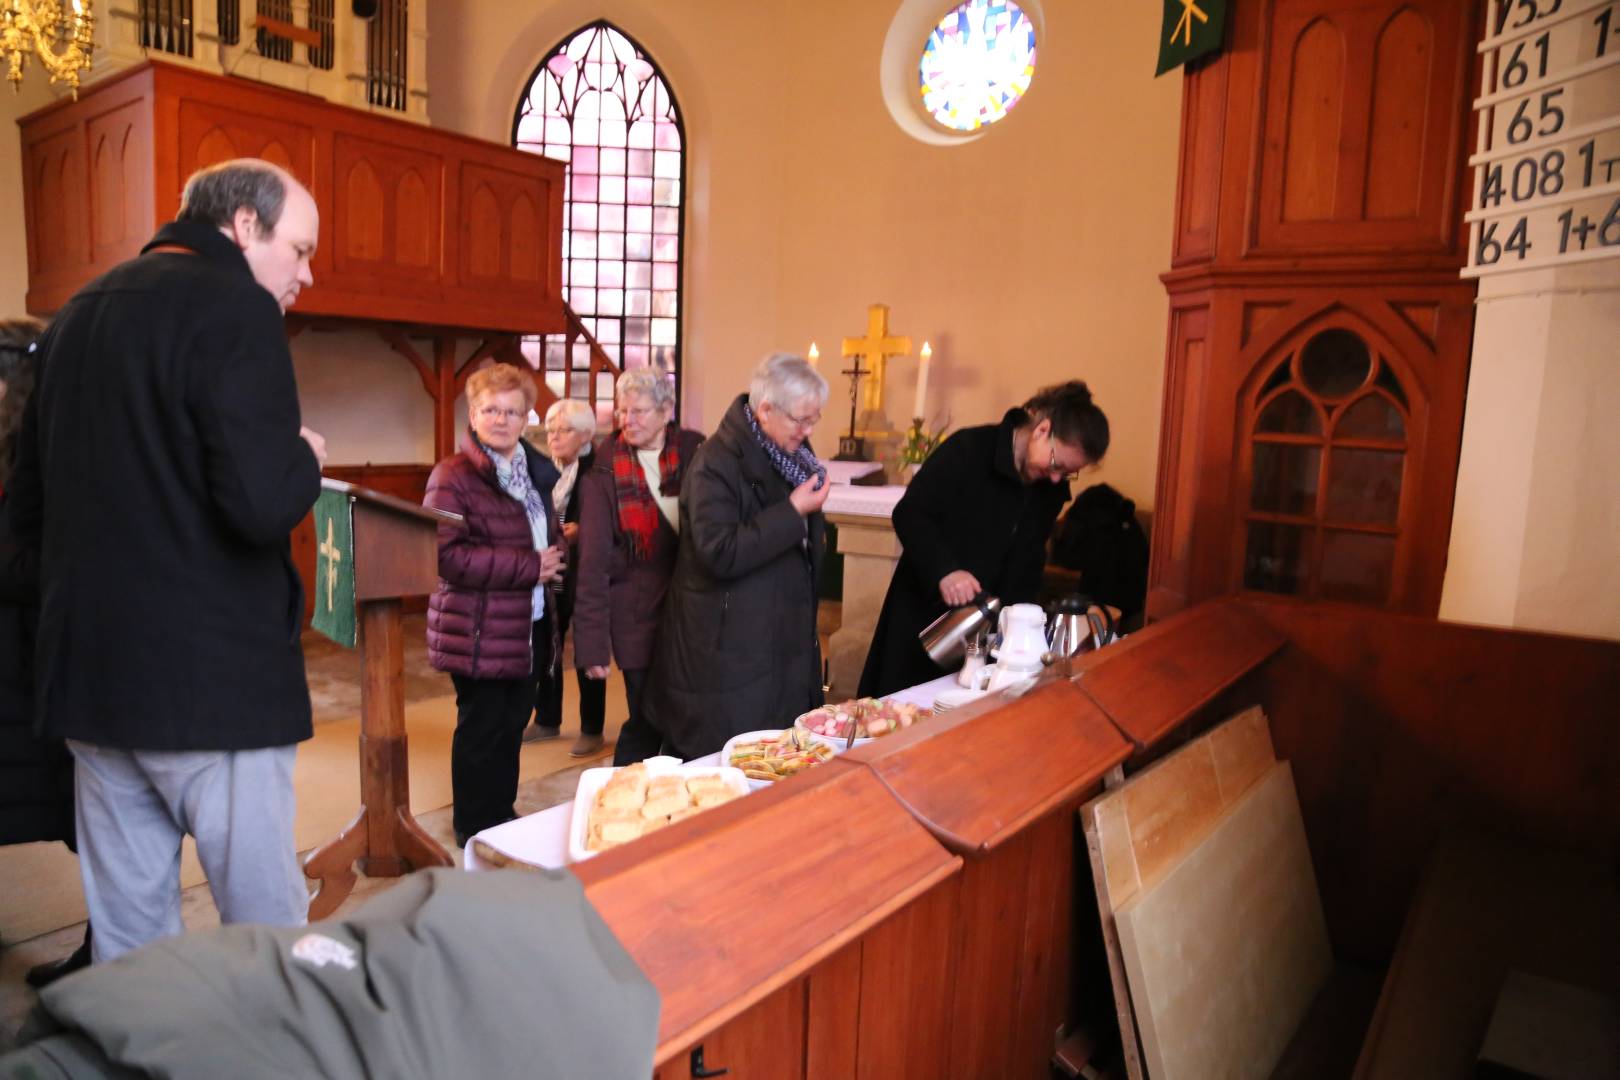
point(873, 718)
point(768, 756)
point(616, 806)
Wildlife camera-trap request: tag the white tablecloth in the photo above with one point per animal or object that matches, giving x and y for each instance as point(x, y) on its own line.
point(542, 839)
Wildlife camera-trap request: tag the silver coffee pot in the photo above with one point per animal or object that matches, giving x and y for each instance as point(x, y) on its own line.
point(945, 639)
point(1077, 625)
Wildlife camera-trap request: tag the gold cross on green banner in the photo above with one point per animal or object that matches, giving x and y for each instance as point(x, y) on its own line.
point(334, 568)
point(1189, 11)
point(1190, 28)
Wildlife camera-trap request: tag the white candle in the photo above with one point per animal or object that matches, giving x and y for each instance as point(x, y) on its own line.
point(918, 407)
point(814, 355)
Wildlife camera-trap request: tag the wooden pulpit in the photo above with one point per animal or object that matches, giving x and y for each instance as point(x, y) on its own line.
point(395, 553)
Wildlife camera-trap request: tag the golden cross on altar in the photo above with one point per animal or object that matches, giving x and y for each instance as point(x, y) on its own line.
point(876, 347)
point(333, 557)
point(1190, 11)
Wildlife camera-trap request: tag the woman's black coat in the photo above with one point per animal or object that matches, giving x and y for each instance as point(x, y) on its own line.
point(966, 509)
point(737, 647)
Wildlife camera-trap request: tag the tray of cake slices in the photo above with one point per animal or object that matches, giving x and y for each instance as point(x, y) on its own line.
point(615, 806)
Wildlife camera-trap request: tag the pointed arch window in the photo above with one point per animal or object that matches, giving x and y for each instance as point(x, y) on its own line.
point(1327, 455)
point(599, 103)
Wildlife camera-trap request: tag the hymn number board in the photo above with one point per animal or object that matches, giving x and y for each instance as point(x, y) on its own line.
point(1547, 166)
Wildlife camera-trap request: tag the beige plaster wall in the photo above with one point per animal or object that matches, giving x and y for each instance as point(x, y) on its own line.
point(1536, 533)
point(1028, 256)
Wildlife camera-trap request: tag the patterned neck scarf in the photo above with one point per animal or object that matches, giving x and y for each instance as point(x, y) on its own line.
point(795, 468)
point(638, 513)
point(513, 477)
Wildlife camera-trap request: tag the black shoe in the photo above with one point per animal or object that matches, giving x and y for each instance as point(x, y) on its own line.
point(42, 975)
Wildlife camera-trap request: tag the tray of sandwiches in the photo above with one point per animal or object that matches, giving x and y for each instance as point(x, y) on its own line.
point(773, 754)
point(615, 806)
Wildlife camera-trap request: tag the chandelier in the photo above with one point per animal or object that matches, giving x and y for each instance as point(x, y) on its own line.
point(42, 28)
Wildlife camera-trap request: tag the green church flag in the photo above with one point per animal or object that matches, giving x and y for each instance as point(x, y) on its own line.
point(1191, 29)
point(334, 567)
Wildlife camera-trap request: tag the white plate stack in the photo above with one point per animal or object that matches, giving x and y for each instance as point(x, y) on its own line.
point(950, 699)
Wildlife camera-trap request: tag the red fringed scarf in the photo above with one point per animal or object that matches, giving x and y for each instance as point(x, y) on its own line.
point(638, 513)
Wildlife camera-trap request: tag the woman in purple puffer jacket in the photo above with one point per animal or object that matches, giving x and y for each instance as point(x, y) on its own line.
point(488, 622)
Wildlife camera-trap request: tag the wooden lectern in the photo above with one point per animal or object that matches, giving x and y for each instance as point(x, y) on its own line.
point(396, 554)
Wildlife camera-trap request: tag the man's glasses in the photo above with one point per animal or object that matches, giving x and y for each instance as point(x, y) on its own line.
point(640, 412)
point(804, 423)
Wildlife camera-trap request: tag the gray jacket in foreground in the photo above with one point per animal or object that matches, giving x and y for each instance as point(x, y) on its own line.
point(502, 974)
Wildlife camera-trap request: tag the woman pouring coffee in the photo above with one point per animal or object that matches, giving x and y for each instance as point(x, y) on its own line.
point(976, 519)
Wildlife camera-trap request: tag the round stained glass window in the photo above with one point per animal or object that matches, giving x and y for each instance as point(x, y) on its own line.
point(977, 64)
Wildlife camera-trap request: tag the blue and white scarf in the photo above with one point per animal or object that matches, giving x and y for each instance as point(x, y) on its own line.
point(513, 477)
point(795, 468)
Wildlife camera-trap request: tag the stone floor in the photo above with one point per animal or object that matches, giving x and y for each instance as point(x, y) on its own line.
point(334, 678)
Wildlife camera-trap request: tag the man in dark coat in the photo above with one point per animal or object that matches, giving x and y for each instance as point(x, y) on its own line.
point(976, 518)
point(737, 647)
point(161, 470)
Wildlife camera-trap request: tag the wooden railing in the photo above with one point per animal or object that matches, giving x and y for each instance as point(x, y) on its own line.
point(600, 362)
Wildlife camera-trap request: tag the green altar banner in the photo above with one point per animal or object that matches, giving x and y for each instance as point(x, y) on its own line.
point(334, 568)
point(1191, 29)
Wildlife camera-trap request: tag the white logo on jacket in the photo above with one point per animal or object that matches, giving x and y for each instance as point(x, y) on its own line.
point(320, 950)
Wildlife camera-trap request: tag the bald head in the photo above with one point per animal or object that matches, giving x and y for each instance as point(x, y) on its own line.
point(270, 216)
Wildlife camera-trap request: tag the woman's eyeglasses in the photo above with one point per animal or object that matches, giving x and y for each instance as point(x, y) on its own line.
point(1058, 472)
point(495, 412)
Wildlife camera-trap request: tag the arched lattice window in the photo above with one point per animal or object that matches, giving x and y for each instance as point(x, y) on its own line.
point(598, 102)
point(1327, 456)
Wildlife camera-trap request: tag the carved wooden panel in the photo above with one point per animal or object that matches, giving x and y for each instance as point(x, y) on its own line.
point(1359, 126)
point(213, 132)
point(1170, 563)
point(1333, 432)
point(103, 172)
point(501, 214)
point(120, 143)
point(386, 209)
point(55, 169)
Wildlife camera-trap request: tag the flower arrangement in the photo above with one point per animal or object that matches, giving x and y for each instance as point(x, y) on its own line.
point(919, 442)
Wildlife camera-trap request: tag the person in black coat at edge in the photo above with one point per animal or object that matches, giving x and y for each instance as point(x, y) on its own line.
point(737, 647)
point(976, 519)
point(36, 774)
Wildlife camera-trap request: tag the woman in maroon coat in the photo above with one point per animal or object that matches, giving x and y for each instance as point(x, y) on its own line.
point(488, 624)
point(627, 543)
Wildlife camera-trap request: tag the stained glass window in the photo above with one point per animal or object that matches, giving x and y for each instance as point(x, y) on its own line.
point(599, 103)
point(977, 64)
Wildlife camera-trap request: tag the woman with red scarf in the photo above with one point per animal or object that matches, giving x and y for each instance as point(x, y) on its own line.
point(629, 519)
